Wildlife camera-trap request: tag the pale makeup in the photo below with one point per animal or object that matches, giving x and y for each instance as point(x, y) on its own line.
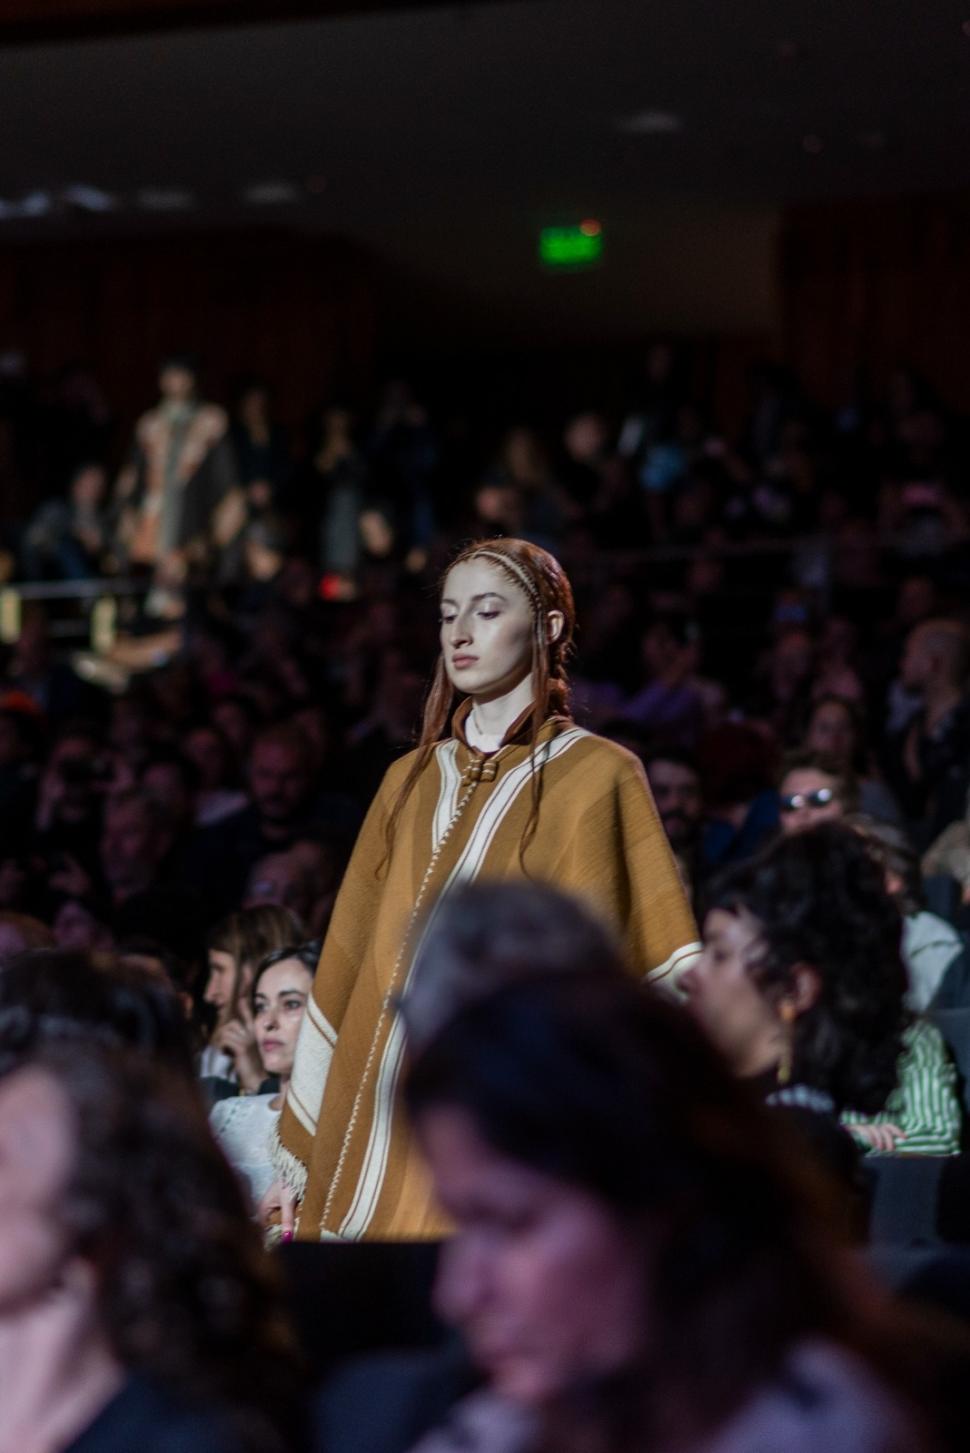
point(487, 633)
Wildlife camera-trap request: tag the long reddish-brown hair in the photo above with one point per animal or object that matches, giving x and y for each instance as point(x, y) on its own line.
point(545, 584)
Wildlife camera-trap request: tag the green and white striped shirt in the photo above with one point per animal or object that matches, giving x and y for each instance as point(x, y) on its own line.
point(925, 1104)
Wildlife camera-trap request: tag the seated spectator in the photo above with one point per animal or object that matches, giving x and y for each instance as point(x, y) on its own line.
point(173, 781)
point(923, 1114)
point(76, 776)
point(35, 671)
point(82, 924)
point(671, 705)
point(835, 730)
point(931, 946)
point(736, 763)
point(801, 984)
point(182, 976)
point(236, 946)
point(281, 879)
point(19, 931)
point(282, 809)
point(676, 786)
point(215, 798)
point(137, 1309)
point(244, 1125)
point(593, 1152)
point(927, 760)
point(67, 539)
point(782, 696)
point(50, 995)
point(814, 789)
point(137, 837)
point(950, 853)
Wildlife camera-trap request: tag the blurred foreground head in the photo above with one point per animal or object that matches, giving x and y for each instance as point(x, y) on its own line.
point(627, 1216)
point(126, 1236)
point(56, 996)
point(488, 934)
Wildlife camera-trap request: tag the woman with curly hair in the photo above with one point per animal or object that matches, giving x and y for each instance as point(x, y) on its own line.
point(801, 982)
point(502, 785)
point(137, 1309)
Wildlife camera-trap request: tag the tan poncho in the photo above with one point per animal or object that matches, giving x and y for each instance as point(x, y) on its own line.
point(346, 1146)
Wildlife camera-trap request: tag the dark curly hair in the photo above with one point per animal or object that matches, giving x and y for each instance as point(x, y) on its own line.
point(187, 1293)
point(819, 899)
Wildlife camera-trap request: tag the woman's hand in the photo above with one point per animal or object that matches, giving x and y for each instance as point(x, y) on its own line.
point(237, 1038)
point(278, 1208)
point(883, 1138)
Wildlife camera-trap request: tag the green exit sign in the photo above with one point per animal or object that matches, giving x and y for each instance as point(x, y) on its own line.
point(578, 245)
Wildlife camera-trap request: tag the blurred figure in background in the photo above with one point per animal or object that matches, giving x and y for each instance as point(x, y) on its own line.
point(178, 495)
point(67, 539)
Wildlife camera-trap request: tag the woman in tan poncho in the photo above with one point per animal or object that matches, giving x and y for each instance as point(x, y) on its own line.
point(515, 789)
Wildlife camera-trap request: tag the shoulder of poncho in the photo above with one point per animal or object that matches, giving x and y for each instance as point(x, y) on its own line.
point(609, 757)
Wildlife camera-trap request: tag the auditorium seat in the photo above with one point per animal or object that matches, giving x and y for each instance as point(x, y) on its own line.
point(353, 1298)
point(919, 1200)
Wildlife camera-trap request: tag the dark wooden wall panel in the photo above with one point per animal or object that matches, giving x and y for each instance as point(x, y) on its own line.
point(302, 313)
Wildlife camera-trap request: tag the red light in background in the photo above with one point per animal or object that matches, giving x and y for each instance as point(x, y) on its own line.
point(590, 228)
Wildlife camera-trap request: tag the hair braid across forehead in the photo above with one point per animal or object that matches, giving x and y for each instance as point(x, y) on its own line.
point(535, 571)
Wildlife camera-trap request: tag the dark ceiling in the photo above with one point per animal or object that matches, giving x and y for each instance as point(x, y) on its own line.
point(442, 138)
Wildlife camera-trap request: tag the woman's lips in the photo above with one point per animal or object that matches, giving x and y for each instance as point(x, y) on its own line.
point(269, 1045)
point(460, 662)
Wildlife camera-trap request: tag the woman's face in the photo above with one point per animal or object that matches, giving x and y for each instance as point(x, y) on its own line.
point(725, 1000)
point(808, 797)
point(278, 1005)
point(35, 1162)
point(543, 1280)
point(486, 630)
point(831, 732)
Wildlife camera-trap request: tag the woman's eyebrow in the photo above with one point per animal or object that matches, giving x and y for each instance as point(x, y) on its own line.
point(482, 595)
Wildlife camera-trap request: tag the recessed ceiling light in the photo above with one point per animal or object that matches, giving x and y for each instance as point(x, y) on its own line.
point(270, 194)
point(165, 199)
point(650, 123)
point(89, 199)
